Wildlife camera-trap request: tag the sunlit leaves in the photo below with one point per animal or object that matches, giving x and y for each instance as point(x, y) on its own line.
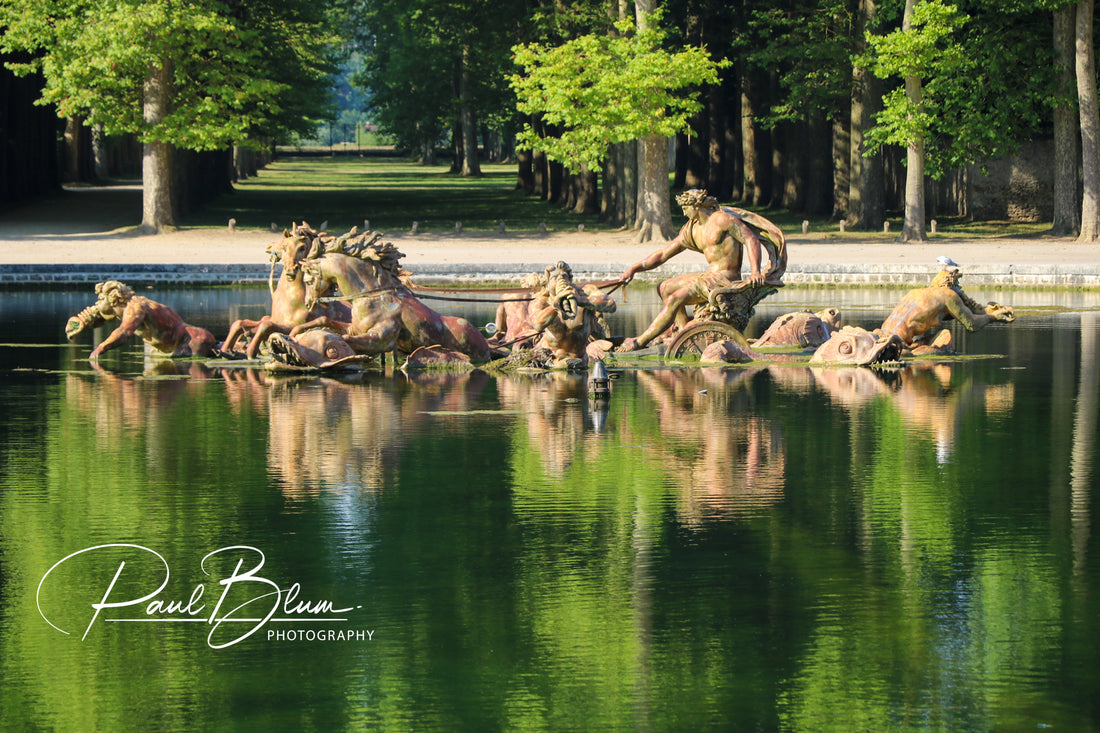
point(233, 69)
point(985, 83)
point(604, 89)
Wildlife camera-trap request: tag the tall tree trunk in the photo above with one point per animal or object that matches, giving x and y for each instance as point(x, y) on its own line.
point(1086, 96)
point(471, 162)
point(818, 200)
point(786, 183)
point(716, 138)
point(458, 156)
point(755, 148)
point(842, 160)
point(99, 153)
point(866, 192)
point(158, 212)
point(626, 155)
point(733, 162)
point(587, 194)
point(1065, 129)
point(525, 176)
point(555, 176)
point(913, 227)
point(654, 219)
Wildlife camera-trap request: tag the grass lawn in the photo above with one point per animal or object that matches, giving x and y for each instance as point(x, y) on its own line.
point(393, 192)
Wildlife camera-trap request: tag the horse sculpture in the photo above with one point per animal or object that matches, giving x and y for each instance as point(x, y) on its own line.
point(385, 315)
point(288, 298)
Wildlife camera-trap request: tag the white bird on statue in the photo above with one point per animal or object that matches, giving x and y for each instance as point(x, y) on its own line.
point(946, 261)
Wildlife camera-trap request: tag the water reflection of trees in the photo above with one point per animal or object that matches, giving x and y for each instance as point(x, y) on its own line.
point(871, 545)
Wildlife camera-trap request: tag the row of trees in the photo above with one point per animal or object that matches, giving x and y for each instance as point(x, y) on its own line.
point(197, 76)
point(793, 104)
point(809, 100)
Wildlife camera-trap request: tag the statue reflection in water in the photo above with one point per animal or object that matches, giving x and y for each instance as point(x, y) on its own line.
point(557, 414)
point(731, 459)
point(923, 395)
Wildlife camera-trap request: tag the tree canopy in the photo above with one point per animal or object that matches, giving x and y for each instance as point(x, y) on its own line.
point(975, 104)
point(601, 89)
point(237, 69)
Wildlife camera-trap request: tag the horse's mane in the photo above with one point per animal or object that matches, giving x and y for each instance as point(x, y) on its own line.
point(366, 246)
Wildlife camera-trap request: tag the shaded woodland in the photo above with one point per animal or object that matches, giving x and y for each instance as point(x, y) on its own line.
point(789, 125)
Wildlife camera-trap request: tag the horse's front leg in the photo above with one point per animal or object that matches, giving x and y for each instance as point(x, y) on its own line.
point(236, 330)
point(339, 327)
point(264, 329)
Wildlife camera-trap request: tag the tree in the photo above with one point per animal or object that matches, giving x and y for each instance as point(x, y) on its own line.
point(866, 198)
point(599, 90)
point(436, 66)
point(1066, 210)
point(1090, 124)
point(924, 47)
point(805, 47)
point(975, 87)
point(198, 76)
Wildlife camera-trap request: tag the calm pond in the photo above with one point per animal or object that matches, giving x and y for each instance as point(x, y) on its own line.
point(760, 548)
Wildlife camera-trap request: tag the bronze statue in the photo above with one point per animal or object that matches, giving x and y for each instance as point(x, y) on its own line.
point(288, 306)
point(568, 318)
point(854, 345)
point(802, 328)
point(724, 235)
point(316, 348)
point(849, 345)
point(157, 324)
point(385, 315)
point(513, 327)
point(922, 311)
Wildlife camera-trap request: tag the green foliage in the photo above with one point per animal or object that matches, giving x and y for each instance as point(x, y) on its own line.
point(237, 70)
point(986, 83)
point(809, 47)
point(601, 89)
point(414, 53)
point(928, 51)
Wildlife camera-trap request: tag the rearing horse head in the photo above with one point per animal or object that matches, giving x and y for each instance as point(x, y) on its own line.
point(318, 283)
point(296, 245)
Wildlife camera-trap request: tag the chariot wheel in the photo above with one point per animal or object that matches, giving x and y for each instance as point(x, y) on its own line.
point(695, 337)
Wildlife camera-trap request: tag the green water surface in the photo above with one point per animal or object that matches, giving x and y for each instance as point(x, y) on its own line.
point(764, 548)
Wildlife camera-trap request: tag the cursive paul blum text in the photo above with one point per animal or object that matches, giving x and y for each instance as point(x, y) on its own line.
point(246, 604)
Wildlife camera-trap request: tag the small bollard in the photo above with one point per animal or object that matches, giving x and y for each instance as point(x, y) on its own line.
point(274, 227)
point(324, 226)
point(232, 225)
point(366, 225)
point(542, 228)
point(458, 227)
point(805, 227)
point(933, 224)
point(886, 227)
point(416, 227)
point(843, 226)
point(501, 228)
point(580, 227)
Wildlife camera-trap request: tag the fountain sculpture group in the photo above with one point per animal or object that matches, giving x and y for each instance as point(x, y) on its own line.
point(343, 301)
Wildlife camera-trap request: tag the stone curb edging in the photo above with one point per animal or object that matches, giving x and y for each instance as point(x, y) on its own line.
point(1057, 276)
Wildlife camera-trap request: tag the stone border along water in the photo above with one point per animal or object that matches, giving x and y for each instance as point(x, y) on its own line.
point(1011, 276)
